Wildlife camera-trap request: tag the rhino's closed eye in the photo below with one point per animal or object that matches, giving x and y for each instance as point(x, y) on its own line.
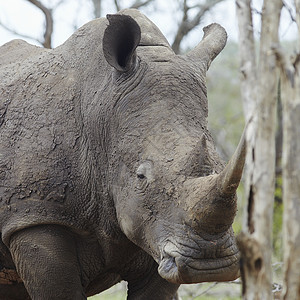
point(144, 171)
point(141, 176)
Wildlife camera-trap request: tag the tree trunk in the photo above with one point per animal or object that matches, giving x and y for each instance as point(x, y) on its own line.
point(290, 71)
point(255, 242)
point(291, 184)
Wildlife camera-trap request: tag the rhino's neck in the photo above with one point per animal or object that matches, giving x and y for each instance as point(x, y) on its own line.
point(94, 162)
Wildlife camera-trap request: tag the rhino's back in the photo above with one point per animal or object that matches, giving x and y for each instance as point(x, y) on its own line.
point(38, 134)
point(17, 50)
point(46, 100)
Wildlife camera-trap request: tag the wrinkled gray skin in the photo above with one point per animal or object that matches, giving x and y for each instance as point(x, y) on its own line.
point(107, 169)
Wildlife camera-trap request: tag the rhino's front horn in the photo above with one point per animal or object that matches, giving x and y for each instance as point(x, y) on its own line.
point(229, 178)
point(211, 200)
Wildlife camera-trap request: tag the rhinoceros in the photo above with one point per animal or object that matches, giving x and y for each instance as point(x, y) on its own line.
point(107, 169)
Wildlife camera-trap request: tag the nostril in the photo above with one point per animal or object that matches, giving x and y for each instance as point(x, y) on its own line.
point(167, 266)
point(170, 263)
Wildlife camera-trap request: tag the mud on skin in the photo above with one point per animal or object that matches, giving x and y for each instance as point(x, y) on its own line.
point(107, 169)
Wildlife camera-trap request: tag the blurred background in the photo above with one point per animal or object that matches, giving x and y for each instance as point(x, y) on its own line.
point(49, 23)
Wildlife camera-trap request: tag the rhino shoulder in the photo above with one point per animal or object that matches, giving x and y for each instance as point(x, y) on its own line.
point(17, 50)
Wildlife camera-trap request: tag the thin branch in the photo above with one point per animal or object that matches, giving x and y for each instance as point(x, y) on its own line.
point(256, 11)
point(290, 11)
point(202, 10)
point(139, 3)
point(208, 289)
point(297, 5)
point(57, 4)
point(25, 36)
point(293, 18)
point(117, 5)
point(49, 22)
point(187, 24)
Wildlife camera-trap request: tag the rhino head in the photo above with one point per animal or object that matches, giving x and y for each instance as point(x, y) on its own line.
point(174, 197)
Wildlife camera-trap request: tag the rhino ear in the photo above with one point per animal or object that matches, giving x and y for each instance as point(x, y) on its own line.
point(213, 42)
point(121, 37)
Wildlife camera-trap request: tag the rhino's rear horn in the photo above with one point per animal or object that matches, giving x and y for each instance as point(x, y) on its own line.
point(121, 37)
point(213, 42)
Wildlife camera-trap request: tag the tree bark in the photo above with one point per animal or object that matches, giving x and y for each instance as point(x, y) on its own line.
point(259, 95)
point(247, 57)
point(290, 74)
point(291, 184)
point(248, 93)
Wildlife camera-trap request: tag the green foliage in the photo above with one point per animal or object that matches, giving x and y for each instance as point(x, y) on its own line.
point(278, 190)
point(102, 296)
point(226, 118)
point(211, 298)
point(237, 224)
point(117, 292)
point(210, 291)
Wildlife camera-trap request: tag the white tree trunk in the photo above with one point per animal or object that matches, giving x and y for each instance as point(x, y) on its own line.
point(290, 70)
point(260, 84)
point(291, 184)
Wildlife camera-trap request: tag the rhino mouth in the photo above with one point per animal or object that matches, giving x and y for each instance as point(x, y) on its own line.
point(180, 267)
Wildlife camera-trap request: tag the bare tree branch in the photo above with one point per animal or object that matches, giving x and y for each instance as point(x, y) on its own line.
point(48, 27)
point(49, 22)
point(19, 34)
point(208, 289)
point(57, 4)
point(139, 3)
point(187, 24)
point(288, 8)
point(117, 5)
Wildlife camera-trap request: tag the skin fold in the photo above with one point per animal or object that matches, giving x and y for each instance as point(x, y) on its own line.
point(107, 169)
